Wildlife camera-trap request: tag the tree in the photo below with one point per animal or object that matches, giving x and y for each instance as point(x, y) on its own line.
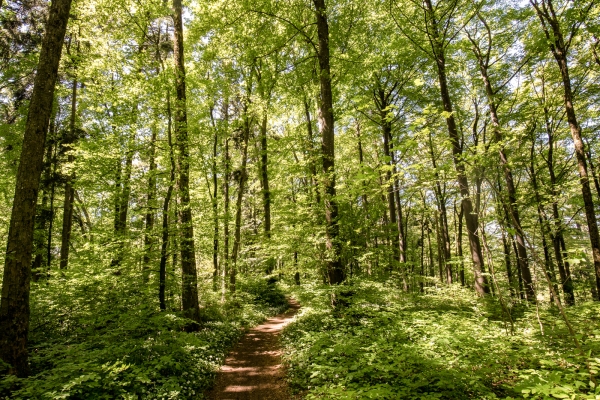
point(189, 277)
point(559, 46)
point(335, 270)
point(14, 305)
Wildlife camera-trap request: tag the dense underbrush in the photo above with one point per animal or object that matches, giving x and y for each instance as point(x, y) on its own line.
point(104, 337)
point(446, 344)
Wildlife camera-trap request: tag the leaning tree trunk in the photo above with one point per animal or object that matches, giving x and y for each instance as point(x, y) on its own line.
point(189, 294)
point(484, 64)
point(14, 304)
point(335, 270)
point(558, 47)
point(471, 218)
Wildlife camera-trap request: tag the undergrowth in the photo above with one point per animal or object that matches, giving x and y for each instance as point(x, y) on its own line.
point(104, 337)
point(445, 344)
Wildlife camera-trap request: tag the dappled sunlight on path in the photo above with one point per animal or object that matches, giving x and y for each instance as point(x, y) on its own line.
point(253, 369)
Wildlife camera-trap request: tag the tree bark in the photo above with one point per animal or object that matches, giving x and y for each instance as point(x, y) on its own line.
point(264, 161)
point(441, 204)
point(162, 271)
point(150, 206)
point(189, 294)
point(215, 204)
point(14, 304)
point(560, 255)
point(311, 153)
point(335, 270)
point(240, 196)
point(471, 218)
point(483, 59)
point(67, 226)
point(558, 47)
point(45, 213)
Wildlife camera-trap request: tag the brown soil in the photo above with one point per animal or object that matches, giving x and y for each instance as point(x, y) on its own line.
point(253, 369)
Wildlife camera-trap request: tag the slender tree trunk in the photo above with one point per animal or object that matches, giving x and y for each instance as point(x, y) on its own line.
point(225, 271)
point(483, 60)
point(311, 152)
point(264, 162)
point(67, 226)
point(118, 191)
point(471, 218)
point(14, 304)
point(564, 270)
point(189, 294)
point(553, 32)
point(507, 263)
point(593, 168)
point(150, 200)
point(514, 246)
point(240, 196)
point(364, 199)
point(441, 204)
point(389, 182)
point(126, 185)
point(335, 269)
point(422, 282)
point(215, 205)
point(162, 271)
point(459, 249)
point(45, 213)
point(51, 211)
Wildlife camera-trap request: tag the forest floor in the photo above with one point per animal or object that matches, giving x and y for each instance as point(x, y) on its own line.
point(253, 369)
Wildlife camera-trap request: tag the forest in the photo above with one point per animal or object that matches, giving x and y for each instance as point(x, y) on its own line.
point(421, 177)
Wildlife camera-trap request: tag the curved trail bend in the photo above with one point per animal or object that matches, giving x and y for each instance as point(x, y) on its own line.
point(253, 369)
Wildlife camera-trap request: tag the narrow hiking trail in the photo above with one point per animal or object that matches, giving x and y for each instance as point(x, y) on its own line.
point(253, 369)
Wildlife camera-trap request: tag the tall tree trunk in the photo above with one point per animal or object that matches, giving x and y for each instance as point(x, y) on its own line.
point(215, 204)
point(557, 237)
point(364, 199)
point(67, 226)
point(311, 152)
point(126, 185)
point(507, 263)
point(471, 218)
point(335, 269)
point(123, 193)
point(117, 198)
point(51, 210)
point(14, 304)
point(226, 206)
point(45, 213)
point(558, 47)
point(483, 59)
point(441, 204)
point(593, 168)
point(264, 161)
point(459, 249)
point(162, 271)
point(189, 294)
point(150, 206)
point(389, 179)
point(240, 196)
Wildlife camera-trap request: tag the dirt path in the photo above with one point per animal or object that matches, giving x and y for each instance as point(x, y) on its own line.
point(253, 369)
